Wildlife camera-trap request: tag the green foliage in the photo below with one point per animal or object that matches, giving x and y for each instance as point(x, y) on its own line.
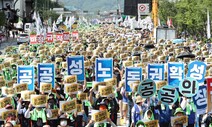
point(187, 15)
point(2, 21)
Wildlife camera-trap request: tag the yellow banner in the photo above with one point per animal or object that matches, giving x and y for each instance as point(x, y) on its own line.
point(152, 123)
point(96, 84)
point(20, 87)
point(68, 106)
point(2, 83)
point(160, 84)
point(38, 100)
point(112, 81)
point(1, 67)
point(100, 116)
point(71, 88)
point(19, 62)
point(105, 91)
point(79, 107)
point(127, 63)
point(25, 95)
point(54, 114)
point(10, 84)
point(82, 96)
point(6, 113)
point(5, 101)
point(180, 119)
point(6, 64)
point(71, 79)
point(45, 87)
point(64, 64)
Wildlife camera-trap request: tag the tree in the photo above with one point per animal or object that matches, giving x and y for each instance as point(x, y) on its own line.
point(166, 9)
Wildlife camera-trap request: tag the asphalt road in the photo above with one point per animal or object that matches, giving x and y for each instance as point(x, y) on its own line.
point(9, 42)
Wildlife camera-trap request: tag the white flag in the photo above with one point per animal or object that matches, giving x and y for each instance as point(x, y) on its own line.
point(60, 19)
point(54, 27)
point(66, 21)
point(208, 25)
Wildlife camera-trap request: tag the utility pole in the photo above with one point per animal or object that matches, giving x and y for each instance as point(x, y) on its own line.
point(155, 12)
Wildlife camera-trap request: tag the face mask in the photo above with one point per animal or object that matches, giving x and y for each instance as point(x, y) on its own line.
point(13, 122)
point(63, 123)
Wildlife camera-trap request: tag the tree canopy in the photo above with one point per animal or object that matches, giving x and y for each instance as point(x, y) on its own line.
point(187, 15)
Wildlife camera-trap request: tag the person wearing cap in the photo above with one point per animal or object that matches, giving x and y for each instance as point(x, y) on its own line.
point(140, 124)
point(137, 111)
point(179, 112)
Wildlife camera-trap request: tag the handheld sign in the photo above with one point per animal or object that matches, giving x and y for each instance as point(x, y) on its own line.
point(76, 67)
point(168, 95)
point(200, 100)
point(179, 120)
point(99, 116)
point(175, 73)
point(26, 75)
point(38, 100)
point(151, 123)
point(103, 69)
point(71, 88)
point(209, 94)
point(70, 79)
point(68, 106)
point(5, 101)
point(197, 70)
point(25, 95)
point(188, 87)
point(147, 88)
point(156, 72)
point(132, 74)
point(20, 87)
point(46, 73)
point(45, 87)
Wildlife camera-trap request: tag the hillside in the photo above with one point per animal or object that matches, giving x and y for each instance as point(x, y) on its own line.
point(92, 5)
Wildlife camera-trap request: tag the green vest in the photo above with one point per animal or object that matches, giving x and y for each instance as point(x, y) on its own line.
point(38, 114)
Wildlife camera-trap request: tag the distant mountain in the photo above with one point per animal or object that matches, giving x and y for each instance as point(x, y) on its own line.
point(92, 5)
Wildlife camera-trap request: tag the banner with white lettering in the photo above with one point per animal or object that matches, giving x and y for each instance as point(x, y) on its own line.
point(156, 72)
point(46, 73)
point(197, 70)
point(49, 37)
point(200, 100)
point(66, 36)
point(25, 74)
point(76, 67)
point(132, 74)
point(209, 94)
point(175, 73)
point(103, 69)
point(59, 37)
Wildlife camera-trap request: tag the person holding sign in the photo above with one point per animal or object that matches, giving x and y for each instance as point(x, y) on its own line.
point(38, 115)
point(190, 109)
point(102, 107)
point(137, 110)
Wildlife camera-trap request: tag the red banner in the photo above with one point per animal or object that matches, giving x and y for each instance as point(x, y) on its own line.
point(66, 36)
point(75, 35)
point(59, 37)
point(209, 94)
point(49, 37)
point(40, 39)
point(33, 39)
